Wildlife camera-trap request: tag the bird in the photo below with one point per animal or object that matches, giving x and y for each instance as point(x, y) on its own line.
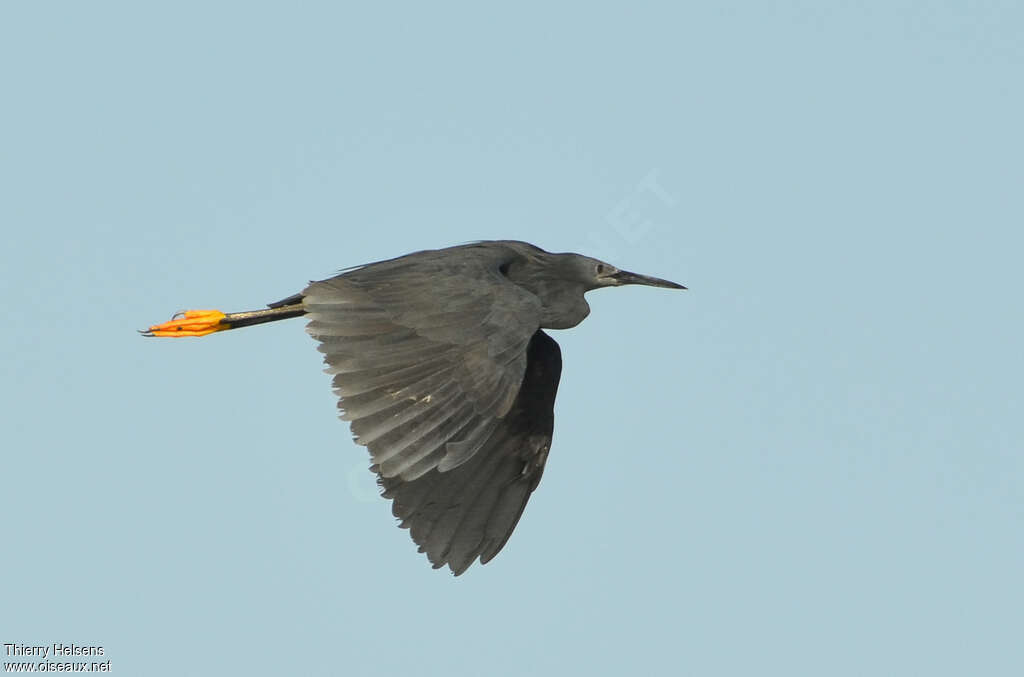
point(445, 374)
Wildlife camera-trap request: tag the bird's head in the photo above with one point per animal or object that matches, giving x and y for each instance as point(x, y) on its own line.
point(597, 274)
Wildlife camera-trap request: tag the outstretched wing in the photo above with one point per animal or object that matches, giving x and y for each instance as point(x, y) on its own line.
point(428, 353)
point(470, 511)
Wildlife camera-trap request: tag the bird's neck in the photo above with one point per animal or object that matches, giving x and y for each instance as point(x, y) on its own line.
point(566, 310)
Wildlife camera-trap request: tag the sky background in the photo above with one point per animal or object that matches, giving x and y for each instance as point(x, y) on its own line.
point(810, 463)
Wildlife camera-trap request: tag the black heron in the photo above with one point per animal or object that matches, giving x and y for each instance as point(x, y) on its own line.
point(444, 372)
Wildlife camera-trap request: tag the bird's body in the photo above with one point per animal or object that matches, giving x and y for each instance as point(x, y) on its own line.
point(445, 375)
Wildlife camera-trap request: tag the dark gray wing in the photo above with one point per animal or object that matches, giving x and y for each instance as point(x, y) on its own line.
point(470, 511)
point(428, 352)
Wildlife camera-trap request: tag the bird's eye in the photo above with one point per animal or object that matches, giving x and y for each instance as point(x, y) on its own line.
point(601, 269)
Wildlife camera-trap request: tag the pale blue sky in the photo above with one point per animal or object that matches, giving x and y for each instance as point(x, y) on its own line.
point(808, 464)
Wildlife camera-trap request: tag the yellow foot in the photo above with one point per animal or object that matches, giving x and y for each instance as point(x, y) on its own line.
point(190, 323)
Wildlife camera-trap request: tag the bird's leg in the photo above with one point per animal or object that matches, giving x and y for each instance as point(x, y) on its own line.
point(190, 323)
point(203, 322)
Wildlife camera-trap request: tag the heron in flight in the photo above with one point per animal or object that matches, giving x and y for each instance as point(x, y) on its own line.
point(445, 374)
